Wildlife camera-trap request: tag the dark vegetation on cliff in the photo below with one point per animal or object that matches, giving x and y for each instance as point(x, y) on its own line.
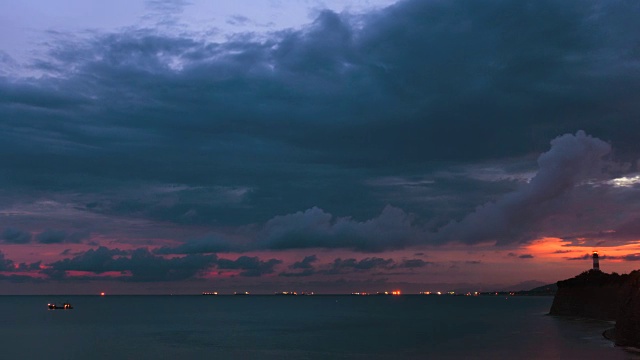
point(594, 278)
point(598, 295)
point(592, 294)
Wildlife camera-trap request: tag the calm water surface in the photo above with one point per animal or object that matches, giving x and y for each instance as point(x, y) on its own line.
point(301, 327)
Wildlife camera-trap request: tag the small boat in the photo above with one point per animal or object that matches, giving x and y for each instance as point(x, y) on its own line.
point(65, 306)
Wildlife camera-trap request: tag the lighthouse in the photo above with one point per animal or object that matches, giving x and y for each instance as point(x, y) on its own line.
point(596, 262)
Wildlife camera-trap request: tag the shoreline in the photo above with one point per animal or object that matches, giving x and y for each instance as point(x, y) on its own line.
point(610, 334)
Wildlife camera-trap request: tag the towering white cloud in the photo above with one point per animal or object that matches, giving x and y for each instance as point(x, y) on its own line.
point(571, 160)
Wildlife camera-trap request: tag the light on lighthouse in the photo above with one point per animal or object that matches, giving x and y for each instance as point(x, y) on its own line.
point(596, 261)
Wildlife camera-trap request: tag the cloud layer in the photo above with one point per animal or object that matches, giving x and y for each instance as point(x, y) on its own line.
point(315, 111)
point(413, 125)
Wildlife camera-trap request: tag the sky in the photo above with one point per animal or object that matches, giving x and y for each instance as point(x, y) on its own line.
point(156, 147)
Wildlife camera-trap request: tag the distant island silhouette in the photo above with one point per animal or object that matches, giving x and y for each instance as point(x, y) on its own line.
point(598, 295)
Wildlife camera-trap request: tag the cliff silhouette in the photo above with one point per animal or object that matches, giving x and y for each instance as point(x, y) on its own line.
point(598, 295)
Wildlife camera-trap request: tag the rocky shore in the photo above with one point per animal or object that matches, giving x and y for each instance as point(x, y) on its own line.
point(598, 295)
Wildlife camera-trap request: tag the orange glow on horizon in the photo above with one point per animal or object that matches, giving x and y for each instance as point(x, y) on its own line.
point(553, 248)
point(559, 249)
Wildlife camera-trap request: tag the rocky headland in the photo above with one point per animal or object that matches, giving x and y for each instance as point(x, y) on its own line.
point(598, 295)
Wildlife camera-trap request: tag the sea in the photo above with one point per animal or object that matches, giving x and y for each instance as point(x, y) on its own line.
point(297, 327)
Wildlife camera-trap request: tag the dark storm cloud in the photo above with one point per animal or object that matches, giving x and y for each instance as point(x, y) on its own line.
point(315, 228)
point(144, 266)
point(51, 237)
point(364, 264)
point(97, 260)
point(5, 264)
point(525, 256)
point(306, 263)
point(59, 236)
point(29, 267)
point(306, 118)
point(249, 266)
point(16, 236)
point(341, 266)
point(208, 244)
point(413, 263)
point(140, 263)
point(413, 53)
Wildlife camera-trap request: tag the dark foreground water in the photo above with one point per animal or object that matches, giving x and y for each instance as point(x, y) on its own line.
point(300, 327)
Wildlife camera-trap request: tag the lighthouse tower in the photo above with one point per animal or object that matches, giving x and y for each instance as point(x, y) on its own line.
point(596, 262)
